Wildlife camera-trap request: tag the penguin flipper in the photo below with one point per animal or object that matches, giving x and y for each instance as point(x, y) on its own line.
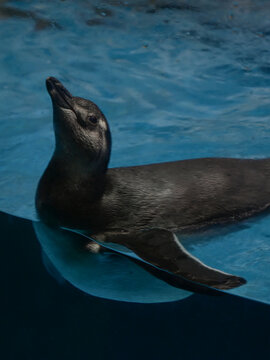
point(161, 248)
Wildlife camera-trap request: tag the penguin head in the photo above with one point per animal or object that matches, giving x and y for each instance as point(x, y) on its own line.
point(82, 134)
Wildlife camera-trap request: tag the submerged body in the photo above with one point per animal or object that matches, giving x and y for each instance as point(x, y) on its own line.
point(141, 207)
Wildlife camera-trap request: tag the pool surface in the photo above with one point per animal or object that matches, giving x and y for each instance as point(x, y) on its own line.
point(176, 80)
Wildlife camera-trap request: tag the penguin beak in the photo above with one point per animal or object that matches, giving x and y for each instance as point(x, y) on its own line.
point(59, 94)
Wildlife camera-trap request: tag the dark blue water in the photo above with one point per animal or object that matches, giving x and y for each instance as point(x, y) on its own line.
point(176, 80)
point(42, 320)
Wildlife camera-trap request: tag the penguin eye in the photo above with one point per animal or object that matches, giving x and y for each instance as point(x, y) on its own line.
point(93, 119)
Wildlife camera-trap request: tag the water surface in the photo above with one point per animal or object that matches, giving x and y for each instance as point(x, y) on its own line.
point(176, 80)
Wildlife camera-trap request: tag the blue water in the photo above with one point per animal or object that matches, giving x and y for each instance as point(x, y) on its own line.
point(175, 81)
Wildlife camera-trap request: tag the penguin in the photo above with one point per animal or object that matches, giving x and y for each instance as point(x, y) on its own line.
point(142, 207)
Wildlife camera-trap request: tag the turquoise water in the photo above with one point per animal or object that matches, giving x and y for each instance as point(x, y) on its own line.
point(176, 80)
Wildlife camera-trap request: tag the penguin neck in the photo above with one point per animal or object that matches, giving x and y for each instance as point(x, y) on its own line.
point(77, 174)
point(63, 188)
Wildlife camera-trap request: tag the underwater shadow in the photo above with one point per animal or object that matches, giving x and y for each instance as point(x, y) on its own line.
point(41, 319)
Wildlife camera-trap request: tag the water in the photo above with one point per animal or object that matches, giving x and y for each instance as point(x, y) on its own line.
point(176, 80)
point(42, 320)
point(106, 275)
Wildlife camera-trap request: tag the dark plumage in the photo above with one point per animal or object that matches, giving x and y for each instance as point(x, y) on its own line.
point(141, 205)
